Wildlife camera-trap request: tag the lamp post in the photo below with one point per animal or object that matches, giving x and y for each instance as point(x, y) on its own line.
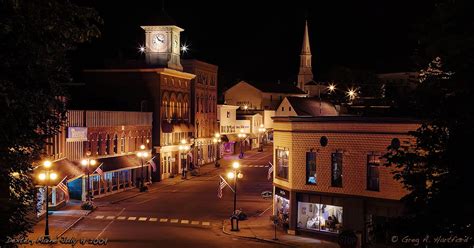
point(142, 154)
point(241, 136)
point(47, 177)
point(216, 142)
point(235, 174)
point(261, 130)
point(183, 148)
point(86, 163)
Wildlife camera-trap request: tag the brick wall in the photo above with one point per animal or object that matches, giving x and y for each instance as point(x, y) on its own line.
point(356, 140)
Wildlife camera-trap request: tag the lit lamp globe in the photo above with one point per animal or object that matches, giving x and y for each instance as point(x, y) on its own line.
point(240, 175)
point(47, 164)
point(53, 176)
point(84, 162)
point(93, 162)
point(230, 175)
point(42, 176)
point(142, 147)
point(235, 165)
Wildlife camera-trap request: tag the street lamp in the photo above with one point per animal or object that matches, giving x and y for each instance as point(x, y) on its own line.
point(241, 136)
point(142, 154)
point(47, 177)
point(86, 163)
point(261, 130)
point(235, 174)
point(183, 148)
point(216, 142)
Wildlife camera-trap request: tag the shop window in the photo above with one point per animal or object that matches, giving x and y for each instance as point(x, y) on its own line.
point(336, 169)
point(99, 145)
point(311, 168)
point(107, 144)
point(122, 143)
point(319, 217)
point(282, 208)
point(373, 180)
point(115, 144)
point(282, 163)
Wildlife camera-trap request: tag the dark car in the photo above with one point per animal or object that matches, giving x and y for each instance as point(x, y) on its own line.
point(267, 194)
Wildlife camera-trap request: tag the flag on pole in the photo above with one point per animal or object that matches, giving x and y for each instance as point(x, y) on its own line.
point(63, 187)
point(222, 184)
point(99, 171)
point(270, 170)
point(152, 163)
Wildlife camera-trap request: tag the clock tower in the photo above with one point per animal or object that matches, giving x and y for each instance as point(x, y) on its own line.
point(162, 44)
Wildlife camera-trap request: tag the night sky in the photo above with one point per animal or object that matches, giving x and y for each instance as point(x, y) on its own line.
point(262, 42)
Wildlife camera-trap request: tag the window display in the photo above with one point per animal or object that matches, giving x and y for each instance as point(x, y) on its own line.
point(282, 208)
point(319, 217)
point(311, 168)
point(282, 163)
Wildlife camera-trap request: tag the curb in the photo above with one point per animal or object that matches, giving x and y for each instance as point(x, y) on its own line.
point(253, 238)
point(74, 223)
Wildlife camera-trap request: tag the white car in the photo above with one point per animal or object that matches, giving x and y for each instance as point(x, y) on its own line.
point(267, 194)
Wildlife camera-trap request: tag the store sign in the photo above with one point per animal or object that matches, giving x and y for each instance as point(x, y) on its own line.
point(242, 125)
point(76, 134)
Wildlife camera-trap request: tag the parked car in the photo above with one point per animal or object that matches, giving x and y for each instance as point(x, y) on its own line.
point(267, 194)
point(240, 214)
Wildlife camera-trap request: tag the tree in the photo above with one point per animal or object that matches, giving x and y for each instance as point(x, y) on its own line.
point(436, 167)
point(35, 38)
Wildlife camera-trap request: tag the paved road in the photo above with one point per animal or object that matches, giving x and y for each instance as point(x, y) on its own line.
point(187, 214)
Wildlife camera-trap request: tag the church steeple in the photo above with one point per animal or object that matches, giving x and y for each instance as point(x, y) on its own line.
point(305, 74)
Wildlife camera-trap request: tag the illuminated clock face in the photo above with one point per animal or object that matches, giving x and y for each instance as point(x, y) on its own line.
point(159, 41)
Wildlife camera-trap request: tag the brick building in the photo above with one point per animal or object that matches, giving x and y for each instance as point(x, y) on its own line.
point(328, 172)
point(203, 108)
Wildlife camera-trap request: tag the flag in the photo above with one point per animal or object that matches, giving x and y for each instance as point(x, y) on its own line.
point(99, 170)
point(222, 184)
point(62, 186)
point(152, 163)
point(270, 170)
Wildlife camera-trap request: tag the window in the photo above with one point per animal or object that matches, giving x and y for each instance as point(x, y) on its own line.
point(289, 108)
point(228, 114)
point(320, 217)
point(282, 163)
point(107, 144)
point(373, 162)
point(99, 145)
point(336, 169)
point(282, 108)
point(115, 144)
point(311, 168)
point(122, 143)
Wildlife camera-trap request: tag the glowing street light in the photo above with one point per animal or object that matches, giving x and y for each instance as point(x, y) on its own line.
point(47, 177)
point(183, 148)
point(234, 175)
point(141, 49)
point(351, 93)
point(142, 155)
point(242, 137)
point(331, 88)
point(184, 48)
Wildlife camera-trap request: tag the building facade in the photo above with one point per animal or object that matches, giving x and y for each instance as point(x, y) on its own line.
point(227, 121)
point(329, 173)
point(203, 109)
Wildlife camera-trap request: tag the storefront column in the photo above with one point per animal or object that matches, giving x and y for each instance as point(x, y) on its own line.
point(53, 196)
point(293, 213)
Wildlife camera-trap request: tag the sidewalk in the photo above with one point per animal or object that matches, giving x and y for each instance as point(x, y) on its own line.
point(262, 228)
point(60, 220)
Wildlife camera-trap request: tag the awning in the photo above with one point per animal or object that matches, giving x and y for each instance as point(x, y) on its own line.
point(120, 162)
point(64, 168)
point(166, 127)
point(233, 137)
point(251, 136)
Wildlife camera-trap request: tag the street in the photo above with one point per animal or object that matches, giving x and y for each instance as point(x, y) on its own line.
point(185, 214)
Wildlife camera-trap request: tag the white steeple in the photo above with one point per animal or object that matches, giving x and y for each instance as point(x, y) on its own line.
point(305, 74)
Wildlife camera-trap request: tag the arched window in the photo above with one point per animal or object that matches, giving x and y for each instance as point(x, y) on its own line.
point(107, 144)
point(122, 143)
point(115, 144)
point(99, 145)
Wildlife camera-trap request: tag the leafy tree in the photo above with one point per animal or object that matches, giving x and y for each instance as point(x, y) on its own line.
point(35, 38)
point(436, 166)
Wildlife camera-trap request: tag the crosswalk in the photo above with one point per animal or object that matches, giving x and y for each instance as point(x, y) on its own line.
point(153, 219)
point(255, 166)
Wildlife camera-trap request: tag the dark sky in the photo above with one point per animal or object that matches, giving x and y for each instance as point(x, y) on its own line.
point(262, 41)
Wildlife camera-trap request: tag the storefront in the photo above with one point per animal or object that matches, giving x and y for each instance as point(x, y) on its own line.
point(281, 206)
point(319, 217)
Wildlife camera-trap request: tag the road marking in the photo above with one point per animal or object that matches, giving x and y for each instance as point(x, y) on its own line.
point(142, 219)
point(153, 219)
point(163, 220)
point(110, 217)
point(99, 217)
point(121, 218)
point(194, 222)
point(107, 226)
point(184, 221)
point(132, 218)
point(174, 220)
point(260, 166)
point(206, 223)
